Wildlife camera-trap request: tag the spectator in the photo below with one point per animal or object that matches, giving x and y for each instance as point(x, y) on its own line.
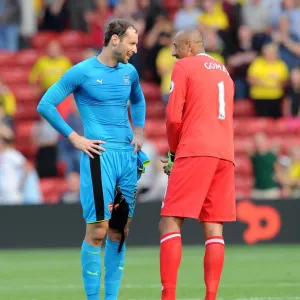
point(267, 76)
point(45, 137)
point(292, 11)
point(214, 45)
point(72, 194)
point(10, 19)
point(288, 43)
point(164, 64)
point(54, 17)
point(48, 69)
point(13, 172)
point(5, 123)
point(213, 16)
point(239, 62)
point(187, 16)
point(77, 10)
point(288, 173)
point(28, 22)
point(256, 16)
point(157, 38)
point(294, 92)
point(8, 104)
point(96, 20)
point(263, 159)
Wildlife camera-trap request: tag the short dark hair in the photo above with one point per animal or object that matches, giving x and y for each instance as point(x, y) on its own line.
point(118, 27)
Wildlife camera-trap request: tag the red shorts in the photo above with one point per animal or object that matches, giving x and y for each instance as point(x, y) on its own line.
point(201, 188)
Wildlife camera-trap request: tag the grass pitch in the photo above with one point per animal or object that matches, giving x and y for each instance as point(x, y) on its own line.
point(251, 273)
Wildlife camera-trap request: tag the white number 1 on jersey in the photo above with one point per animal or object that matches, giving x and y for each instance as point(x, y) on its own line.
point(221, 100)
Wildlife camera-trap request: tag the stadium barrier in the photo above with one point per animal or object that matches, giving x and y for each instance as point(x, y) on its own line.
point(61, 225)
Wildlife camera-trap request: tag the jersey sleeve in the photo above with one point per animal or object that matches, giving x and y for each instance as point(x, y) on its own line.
point(137, 102)
point(175, 106)
point(70, 81)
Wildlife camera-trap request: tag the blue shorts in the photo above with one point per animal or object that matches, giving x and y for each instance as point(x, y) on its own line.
point(99, 178)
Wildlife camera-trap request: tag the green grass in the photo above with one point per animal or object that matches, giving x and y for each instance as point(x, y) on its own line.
point(250, 273)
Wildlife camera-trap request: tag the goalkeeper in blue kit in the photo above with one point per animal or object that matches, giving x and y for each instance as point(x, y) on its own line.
point(111, 160)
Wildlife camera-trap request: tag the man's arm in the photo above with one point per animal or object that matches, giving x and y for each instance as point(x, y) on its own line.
point(71, 80)
point(138, 113)
point(55, 95)
point(175, 106)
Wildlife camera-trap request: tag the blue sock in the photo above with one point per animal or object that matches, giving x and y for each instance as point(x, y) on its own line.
point(91, 270)
point(114, 266)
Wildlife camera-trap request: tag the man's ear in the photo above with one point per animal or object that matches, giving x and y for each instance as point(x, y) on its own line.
point(115, 40)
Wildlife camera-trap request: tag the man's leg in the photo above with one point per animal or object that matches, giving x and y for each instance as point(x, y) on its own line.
point(218, 207)
point(170, 255)
point(213, 258)
point(91, 259)
point(114, 262)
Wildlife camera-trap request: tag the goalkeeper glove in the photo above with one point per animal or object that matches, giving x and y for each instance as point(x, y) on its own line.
point(171, 158)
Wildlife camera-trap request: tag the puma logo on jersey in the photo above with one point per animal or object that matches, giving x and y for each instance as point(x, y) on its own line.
point(100, 81)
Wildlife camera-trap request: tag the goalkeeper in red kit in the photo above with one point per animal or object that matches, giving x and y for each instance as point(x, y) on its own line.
point(200, 163)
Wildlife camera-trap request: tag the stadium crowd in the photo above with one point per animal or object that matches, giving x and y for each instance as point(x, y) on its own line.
point(257, 40)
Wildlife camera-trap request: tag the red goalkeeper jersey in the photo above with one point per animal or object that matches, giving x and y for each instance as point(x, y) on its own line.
point(200, 109)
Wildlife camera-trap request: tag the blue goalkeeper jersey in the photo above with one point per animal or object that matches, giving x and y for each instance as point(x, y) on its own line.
point(101, 94)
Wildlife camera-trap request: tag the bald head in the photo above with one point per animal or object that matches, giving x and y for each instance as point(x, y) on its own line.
point(188, 42)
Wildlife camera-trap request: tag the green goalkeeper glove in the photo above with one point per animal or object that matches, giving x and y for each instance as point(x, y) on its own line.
point(171, 158)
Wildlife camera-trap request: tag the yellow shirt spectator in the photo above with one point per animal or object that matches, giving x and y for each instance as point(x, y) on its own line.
point(164, 64)
point(270, 75)
point(49, 70)
point(217, 19)
point(294, 171)
point(8, 101)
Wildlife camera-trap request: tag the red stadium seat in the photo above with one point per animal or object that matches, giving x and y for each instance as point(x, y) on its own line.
point(52, 189)
point(14, 75)
point(155, 128)
point(26, 111)
point(243, 165)
point(156, 110)
point(24, 130)
point(242, 144)
point(243, 182)
point(42, 38)
point(243, 108)
point(25, 147)
point(161, 145)
point(259, 125)
point(73, 38)
point(76, 55)
point(151, 91)
point(26, 93)
point(7, 58)
point(26, 57)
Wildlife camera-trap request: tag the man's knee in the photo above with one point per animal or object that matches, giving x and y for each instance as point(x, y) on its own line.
point(95, 233)
point(212, 229)
point(170, 224)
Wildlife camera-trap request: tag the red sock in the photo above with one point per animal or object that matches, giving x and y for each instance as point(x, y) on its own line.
point(213, 265)
point(170, 257)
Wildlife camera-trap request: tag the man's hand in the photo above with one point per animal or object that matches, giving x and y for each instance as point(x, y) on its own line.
point(85, 145)
point(138, 139)
point(168, 163)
